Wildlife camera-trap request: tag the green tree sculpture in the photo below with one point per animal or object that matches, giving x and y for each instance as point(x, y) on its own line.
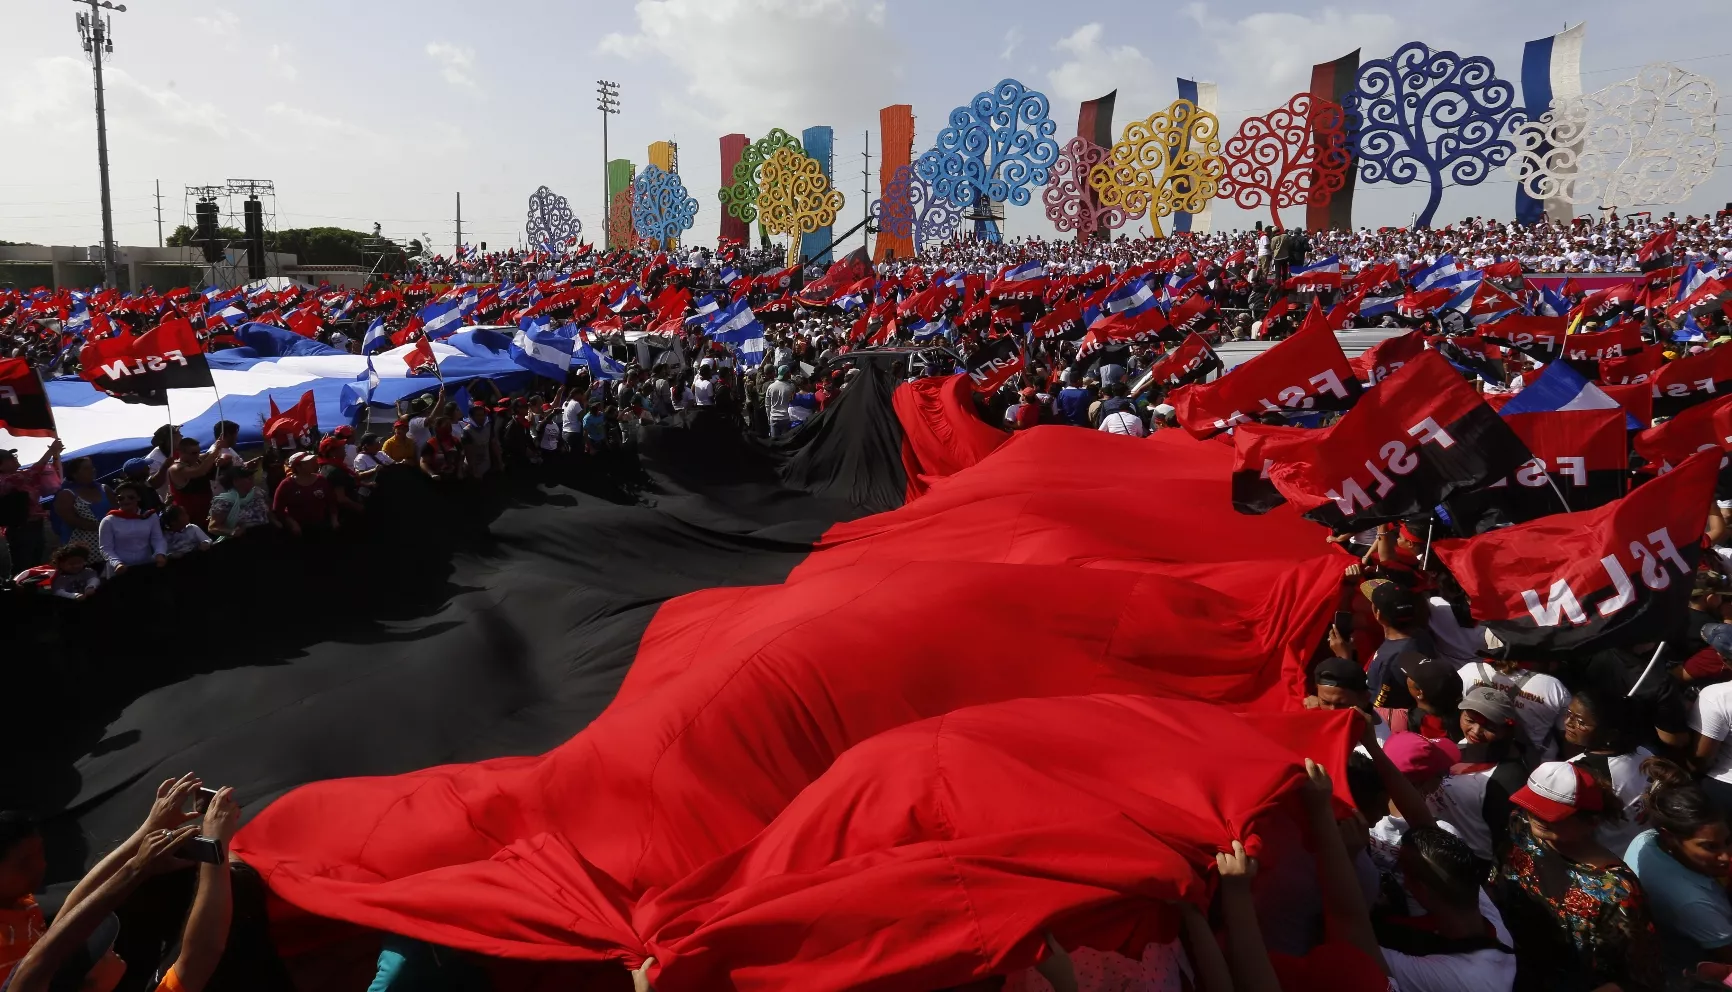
point(741, 199)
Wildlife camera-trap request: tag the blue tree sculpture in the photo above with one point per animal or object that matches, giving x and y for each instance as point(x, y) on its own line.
point(999, 146)
point(909, 208)
point(660, 206)
point(550, 224)
point(1435, 114)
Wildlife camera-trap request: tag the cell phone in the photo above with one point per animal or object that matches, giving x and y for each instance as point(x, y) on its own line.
point(201, 799)
point(1344, 622)
point(204, 850)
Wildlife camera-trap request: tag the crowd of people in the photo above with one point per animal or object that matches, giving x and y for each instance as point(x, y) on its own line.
point(1515, 824)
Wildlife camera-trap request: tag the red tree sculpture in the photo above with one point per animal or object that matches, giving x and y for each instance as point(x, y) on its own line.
point(1294, 155)
point(1071, 203)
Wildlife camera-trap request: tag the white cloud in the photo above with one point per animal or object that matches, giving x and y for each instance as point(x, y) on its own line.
point(53, 95)
point(277, 62)
point(456, 64)
point(833, 61)
point(1091, 69)
point(1012, 41)
point(1265, 58)
point(221, 23)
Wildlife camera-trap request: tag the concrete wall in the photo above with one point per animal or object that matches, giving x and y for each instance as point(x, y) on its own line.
point(80, 267)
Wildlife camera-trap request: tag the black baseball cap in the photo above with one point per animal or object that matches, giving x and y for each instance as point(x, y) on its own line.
point(1340, 673)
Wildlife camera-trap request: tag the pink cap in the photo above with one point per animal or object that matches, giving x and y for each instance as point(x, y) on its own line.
point(1421, 756)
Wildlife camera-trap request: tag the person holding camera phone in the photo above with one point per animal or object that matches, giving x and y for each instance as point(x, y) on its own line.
point(173, 833)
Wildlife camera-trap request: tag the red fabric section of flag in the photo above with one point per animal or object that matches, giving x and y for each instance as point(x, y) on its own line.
point(776, 747)
point(297, 419)
point(1704, 427)
point(1386, 357)
point(421, 356)
point(940, 433)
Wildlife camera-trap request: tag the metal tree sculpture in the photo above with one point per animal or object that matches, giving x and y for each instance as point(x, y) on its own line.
point(660, 206)
point(1071, 203)
point(909, 209)
point(795, 198)
point(1613, 148)
point(741, 199)
point(1296, 155)
point(551, 223)
point(1432, 114)
point(1170, 163)
point(620, 232)
point(996, 147)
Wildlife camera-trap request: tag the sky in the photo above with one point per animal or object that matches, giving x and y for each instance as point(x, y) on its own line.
point(385, 111)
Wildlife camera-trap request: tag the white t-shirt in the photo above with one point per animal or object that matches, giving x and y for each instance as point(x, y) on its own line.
point(704, 392)
point(1711, 716)
point(1123, 422)
point(1490, 970)
point(571, 417)
point(419, 432)
point(157, 459)
point(365, 462)
point(1541, 702)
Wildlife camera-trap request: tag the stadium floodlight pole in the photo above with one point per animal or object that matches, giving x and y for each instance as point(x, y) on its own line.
point(93, 31)
point(607, 101)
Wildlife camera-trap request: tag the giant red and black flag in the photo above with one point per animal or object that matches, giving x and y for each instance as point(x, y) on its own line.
point(1421, 436)
point(1610, 577)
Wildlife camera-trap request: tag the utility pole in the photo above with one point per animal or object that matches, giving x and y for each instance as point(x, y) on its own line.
point(159, 213)
point(93, 32)
point(866, 192)
point(457, 246)
point(607, 101)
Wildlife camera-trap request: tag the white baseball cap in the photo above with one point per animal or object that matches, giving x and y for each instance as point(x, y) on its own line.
point(1557, 790)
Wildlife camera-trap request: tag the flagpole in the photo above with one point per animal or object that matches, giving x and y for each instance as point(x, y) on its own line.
point(1653, 663)
point(1425, 557)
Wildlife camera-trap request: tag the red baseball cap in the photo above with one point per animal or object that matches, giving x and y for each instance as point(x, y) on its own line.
point(1557, 790)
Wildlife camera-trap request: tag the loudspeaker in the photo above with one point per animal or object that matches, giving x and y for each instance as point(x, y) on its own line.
point(254, 213)
point(205, 230)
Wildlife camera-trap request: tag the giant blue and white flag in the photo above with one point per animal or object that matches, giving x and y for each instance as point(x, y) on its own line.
point(1551, 70)
point(1204, 97)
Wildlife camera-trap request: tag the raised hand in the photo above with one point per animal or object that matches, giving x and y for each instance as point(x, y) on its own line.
point(169, 810)
point(223, 816)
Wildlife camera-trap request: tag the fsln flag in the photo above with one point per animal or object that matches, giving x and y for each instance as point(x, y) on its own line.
point(1610, 577)
point(1408, 445)
point(24, 408)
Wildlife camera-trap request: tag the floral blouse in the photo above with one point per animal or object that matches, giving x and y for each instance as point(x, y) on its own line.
point(1574, 926)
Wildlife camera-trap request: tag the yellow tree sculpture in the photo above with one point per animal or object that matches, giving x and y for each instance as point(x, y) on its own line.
point(1168, 164)
point(795, 198)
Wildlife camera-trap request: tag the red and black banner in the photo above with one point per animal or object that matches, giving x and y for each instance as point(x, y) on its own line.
point(1255, 449)
point(1193, 313)
point(1064, 323)
point(1305, 373)
point(1539, 338)
point(1023, 291)
point(993, 363)
point(1703, 427)
point(1332, 81)
point(1411, 443)
point(1580, 461)
point(24, 408)
point(141, 369)
point(1631, 369)
point(1685, 382)
point(1192, 361)
point(1476, 355)
point(1611, 577)
point(1386, 357)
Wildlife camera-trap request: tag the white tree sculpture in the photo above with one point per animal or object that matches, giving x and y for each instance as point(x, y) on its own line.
point(1649, 139)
